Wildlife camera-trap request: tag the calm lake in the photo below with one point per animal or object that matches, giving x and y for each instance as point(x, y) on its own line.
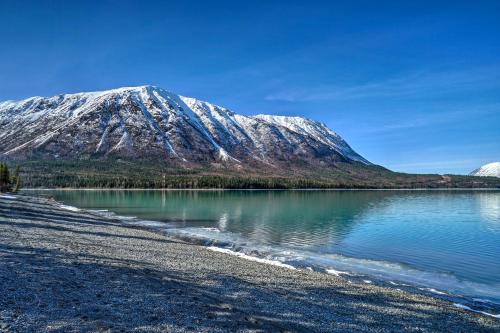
point(446, 240)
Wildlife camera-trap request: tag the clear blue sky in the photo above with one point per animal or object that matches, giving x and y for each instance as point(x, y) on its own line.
point(414, 86)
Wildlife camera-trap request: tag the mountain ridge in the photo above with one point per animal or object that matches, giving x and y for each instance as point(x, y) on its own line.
point(129, 119)
point(147, 137)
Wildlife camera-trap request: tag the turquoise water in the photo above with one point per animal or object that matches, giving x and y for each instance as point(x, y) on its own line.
point(447, 240)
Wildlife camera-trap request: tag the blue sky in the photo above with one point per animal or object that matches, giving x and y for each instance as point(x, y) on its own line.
point(411, 86)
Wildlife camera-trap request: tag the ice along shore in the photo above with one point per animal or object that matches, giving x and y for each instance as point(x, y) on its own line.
point(76, 271)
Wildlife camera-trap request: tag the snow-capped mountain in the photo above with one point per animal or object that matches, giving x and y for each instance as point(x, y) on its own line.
point(149, 122)
point(490, 169)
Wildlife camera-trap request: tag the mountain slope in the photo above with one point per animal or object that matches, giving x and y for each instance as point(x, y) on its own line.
point(151, 123)
point(148, 137)
point(488, 170)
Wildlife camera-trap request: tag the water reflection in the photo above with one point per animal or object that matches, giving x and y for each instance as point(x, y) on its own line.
point(489, 206)
point(455, 233)
point(292, 218)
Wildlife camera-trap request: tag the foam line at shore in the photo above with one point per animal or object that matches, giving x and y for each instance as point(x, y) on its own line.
point(336, 272)
point(432, 290)
point(465, 307)
point(8, 196)
point(247, 257)
point(71, 208)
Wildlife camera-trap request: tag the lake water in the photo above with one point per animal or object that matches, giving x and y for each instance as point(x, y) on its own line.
point(446, 240)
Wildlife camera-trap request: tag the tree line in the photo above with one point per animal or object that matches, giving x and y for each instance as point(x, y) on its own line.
point(154, 174)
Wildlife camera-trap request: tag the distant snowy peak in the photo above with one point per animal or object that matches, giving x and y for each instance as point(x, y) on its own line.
point(150, 122)
point(490, 170)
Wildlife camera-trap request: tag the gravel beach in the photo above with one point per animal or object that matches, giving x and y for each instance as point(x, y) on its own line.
point(64, 270)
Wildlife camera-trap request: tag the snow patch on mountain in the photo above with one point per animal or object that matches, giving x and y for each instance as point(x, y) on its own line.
point(488, 170)
point(148, 121)
point(316, 130)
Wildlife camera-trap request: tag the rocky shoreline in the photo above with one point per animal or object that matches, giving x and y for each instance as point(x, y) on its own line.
point(64, 270)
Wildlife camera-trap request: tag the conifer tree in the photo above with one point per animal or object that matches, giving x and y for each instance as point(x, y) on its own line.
point(17, 179)
point(6, 181)
point(4, 178)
